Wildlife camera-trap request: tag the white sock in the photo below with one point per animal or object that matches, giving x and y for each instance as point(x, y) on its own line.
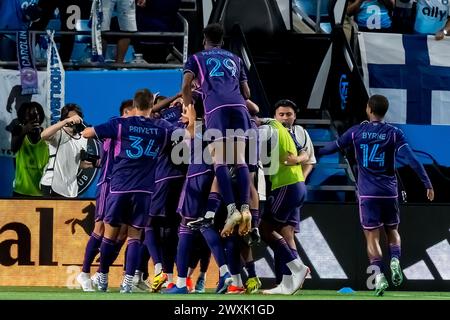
point(237, 280)
point(138, 273)
point(158, 268)
point(181, 282)
point(127, 280)
point(223, 269)
point(170, 277)
point(295, 265)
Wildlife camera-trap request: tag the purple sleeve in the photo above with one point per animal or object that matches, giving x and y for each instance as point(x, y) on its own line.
point(329, 148)
point(242, 75)
point(400, 139)
point(346, 139)
point(107, 130)
point(343, 142)
point(191, 66)
point(405, 152)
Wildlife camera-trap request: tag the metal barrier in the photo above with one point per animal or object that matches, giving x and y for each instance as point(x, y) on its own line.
point(141, 65)
point(315, 25)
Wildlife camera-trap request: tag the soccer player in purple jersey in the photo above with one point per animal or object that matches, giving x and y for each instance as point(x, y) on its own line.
point(161, 236)
point(377, 145)
point(193, 204)
point(223, 82)
point(138, 142)
point(93, 245)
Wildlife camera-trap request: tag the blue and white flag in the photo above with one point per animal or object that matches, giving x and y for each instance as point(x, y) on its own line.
point(28, 72)
point(413, 72)
point(55, 80)
point(95, 23)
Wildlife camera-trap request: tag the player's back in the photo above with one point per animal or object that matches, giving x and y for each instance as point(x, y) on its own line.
point(375, 145)
point(139, 143)
point(166, 169)
point(220, 73)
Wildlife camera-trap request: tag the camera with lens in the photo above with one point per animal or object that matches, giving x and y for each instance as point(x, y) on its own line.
point(89, 157)
point(77, 127)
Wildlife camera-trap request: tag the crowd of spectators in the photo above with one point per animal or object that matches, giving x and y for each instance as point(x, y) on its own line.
point(72, 15)
point(402, 16)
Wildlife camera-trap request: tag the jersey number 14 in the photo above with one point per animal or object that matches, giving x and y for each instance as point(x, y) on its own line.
point(370, 155)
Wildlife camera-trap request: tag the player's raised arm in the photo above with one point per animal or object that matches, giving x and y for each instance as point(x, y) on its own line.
point(186, 89)
point(165, 103)
point(189, 115)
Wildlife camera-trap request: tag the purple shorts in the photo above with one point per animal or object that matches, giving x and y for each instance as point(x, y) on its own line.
point(163, 198)
point(100, 200)
point(128, 208)
point(376, 212)
point(232, 118)
point(284, 204)
point(194, 197)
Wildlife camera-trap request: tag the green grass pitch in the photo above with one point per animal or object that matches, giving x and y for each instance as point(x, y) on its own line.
point(52, 293)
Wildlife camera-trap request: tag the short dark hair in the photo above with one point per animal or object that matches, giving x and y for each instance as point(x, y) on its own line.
point(159, 99)
point(126, 104)
point(214, 33)
point(21, 113)
point(70, 107)
point(378, 104)
point(143, 99)
point(286, 103)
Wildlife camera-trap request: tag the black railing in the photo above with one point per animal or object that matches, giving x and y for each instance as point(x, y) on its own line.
point(106, 65)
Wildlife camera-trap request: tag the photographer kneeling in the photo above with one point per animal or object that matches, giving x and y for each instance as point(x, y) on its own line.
point(65, 146)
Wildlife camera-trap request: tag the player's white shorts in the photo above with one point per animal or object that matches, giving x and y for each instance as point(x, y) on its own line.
point(126, 14)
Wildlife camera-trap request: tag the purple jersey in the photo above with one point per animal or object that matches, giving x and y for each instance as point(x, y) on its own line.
point(200, 159)
point(376, 144)
point(165, 169)
point(172, 114)
point(106, 161)
point(138, 143)
point(220, 75)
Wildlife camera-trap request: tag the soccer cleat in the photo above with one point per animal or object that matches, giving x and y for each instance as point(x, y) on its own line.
point(235, 290)
point(85, 281)
point(102, 282)
point(252, 285)
point(381, 284)
point(158, 281)
point(139, 284)
point(170, 285)
point(224, 282)
point(94, 279)
point(253, 237)
point(200, 285)
point(189, 284)
point(126, 288)
point(396, 272)
point(299, 278)
point(234, 219)
point(201, 222)
point(279, 289)
point(176, 290)
point(246, 222)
